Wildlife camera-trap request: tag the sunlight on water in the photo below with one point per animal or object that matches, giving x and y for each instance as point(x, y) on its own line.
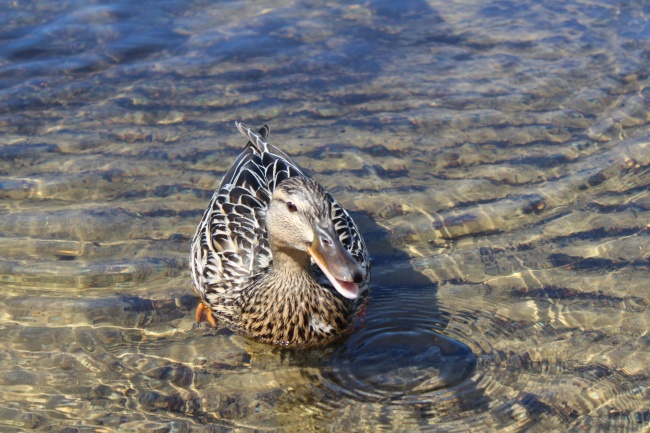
point(494, 154)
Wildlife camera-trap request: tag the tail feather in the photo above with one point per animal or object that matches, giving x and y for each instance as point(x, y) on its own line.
point(257, 140)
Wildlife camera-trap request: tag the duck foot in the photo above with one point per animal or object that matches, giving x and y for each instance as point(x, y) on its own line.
point(203, 313)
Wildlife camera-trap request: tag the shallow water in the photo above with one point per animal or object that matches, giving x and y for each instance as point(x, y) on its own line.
point(495, 155)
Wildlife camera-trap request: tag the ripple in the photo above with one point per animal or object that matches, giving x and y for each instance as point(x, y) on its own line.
point(398, 353)
point(397, 361)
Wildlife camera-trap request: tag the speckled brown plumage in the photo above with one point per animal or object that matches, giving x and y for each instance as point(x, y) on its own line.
point(294, 311)
point(244, 265)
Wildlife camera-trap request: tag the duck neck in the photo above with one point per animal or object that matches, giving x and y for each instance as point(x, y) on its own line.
point(291, 263)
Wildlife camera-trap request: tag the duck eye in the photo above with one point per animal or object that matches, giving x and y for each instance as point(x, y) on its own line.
point(292, 207)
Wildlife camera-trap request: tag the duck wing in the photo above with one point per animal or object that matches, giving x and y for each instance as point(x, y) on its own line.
point(231, 245)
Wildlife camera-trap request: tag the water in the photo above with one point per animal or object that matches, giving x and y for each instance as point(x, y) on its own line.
point(495, 155)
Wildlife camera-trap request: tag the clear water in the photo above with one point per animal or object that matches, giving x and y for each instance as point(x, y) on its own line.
point(495, 154)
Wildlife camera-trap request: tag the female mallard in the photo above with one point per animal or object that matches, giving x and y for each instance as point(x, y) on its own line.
point(275, 257)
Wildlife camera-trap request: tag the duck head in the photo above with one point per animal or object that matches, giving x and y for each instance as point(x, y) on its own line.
point(299, 221)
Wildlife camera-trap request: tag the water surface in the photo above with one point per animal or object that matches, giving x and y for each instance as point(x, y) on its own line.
point(495, 155)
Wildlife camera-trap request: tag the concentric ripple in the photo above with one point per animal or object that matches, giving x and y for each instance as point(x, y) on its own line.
point(398, 352)
point(403, 369)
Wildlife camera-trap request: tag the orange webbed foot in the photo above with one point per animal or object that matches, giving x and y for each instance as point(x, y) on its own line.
point(203, 313)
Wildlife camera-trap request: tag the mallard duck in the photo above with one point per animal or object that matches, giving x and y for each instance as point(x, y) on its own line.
point(275, 258)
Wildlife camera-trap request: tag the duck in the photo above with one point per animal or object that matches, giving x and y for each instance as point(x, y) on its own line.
point(275, 257)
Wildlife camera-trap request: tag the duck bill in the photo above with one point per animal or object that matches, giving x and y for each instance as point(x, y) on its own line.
point(335, 261)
